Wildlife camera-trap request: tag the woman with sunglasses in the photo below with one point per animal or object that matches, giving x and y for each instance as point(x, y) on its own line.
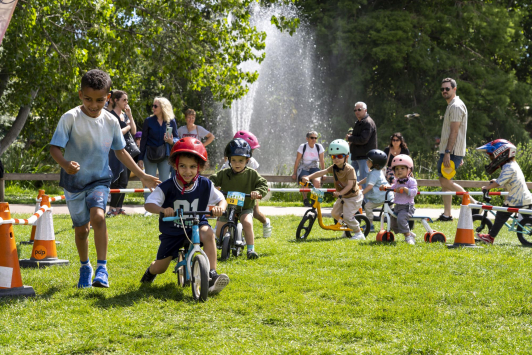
point(310, 155)
point(159, 133)
point(397, 146)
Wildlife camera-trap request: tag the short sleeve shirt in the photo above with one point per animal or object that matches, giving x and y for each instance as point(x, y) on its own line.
point(343, 177)
point(376, 178)
point(513, 181)
point(198, 133)
point(87, 141)
point(311, 154)
point(456, 112)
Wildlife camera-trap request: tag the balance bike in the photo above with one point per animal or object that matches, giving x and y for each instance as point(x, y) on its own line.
point(305, 226)
point(193, 265)
point(231, 233)
point(385, 235)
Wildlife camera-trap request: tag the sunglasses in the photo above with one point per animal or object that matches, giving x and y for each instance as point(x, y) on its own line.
point(154, 106)
point(338, 156)
point(445, 89)
point(313, 137)
point(358, 109)
point(396, 140)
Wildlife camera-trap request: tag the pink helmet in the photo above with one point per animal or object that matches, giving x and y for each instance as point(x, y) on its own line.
point(403, 159)
point(248, 137)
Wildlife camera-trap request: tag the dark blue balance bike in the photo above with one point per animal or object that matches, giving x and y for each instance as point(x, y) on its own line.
point(231, 236)
point(193, 265)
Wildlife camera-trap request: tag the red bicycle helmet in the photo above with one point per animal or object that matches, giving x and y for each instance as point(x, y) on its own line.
point(248, 137)
point(192, 146)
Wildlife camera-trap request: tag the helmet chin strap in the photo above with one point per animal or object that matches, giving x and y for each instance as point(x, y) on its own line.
point(180, 178)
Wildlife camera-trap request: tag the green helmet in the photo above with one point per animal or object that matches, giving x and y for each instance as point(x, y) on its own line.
point(338, 146)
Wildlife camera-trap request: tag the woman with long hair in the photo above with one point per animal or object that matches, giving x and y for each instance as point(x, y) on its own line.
point(119, 107)
point(159, 133)
point(397, 146)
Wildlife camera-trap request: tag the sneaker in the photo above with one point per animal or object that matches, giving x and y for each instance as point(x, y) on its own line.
point(358, 236)
point(411, 239)
point(252, 254)
point(485, 238)
point(147, 214)
point(372, 229)
point(85, 276)
point(267, 229)
point(443, 218)
point(148, 277)
point(111, 213)
point(217, 282)
point(102, 278)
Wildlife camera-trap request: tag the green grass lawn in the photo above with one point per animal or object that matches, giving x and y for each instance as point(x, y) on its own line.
point(325, 295)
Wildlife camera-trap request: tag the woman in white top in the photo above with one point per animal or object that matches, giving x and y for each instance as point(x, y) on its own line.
point(309, 159)
point(194, 131)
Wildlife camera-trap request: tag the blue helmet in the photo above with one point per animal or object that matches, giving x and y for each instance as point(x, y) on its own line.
point(500, 152)
point(238, 147)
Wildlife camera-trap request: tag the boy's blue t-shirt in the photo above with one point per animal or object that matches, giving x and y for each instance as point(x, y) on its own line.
point(376, 178)
point(87, 141)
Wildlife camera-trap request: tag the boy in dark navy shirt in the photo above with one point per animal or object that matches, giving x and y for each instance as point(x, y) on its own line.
point(191, 192)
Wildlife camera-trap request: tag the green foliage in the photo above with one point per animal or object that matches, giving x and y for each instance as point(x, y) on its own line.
point(328, 295)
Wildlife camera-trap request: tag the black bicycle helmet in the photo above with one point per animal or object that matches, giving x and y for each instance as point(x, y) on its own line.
point(238, 147)
point(378, 158)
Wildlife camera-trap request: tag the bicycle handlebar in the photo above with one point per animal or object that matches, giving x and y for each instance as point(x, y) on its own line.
point(184, 213)
point(486, 195)
point(225, 194)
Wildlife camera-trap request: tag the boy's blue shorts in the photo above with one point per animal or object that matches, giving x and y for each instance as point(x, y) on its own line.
point(170, 244)
point(80, 203)
point(455, 158)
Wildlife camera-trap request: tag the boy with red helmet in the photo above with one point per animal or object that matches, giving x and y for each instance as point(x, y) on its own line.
point(190, 191)
point(502, 155)
point(403, 166)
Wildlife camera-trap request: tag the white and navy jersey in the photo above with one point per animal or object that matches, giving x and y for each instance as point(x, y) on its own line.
point(168, 194)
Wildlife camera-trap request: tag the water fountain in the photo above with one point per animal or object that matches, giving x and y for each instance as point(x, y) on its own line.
point(286, 101)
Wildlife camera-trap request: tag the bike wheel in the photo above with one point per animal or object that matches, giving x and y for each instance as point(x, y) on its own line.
point(200, 278)
point(524, 231)
point(481, 224)
point(364, 222)
point(226, 241)
point(411, 225)
point(180, 271)
point(305, 226)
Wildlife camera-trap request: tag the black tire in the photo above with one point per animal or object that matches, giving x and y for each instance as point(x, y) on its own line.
point(180, 271)
point(524, 231)
point(438, 237)
point(481, 224)
point(226, 246)
point(364, 222)
point(305, 226)
point(200, 278)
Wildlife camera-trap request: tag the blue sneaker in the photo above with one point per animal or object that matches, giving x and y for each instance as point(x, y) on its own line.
point(85, 276)
point(101, 278)
point(372, 229)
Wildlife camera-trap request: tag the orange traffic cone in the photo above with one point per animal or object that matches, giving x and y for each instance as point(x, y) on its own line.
point(464, 233)
point(10, 279)
point(44, 252)
point(34, 227)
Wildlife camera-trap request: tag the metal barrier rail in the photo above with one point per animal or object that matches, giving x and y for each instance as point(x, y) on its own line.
point(29, 221)
point(503, 209)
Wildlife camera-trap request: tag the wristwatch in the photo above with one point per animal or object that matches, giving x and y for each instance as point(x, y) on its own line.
point(447, 151)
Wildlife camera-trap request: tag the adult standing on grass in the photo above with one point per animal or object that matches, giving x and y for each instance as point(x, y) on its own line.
point(309, 156)
point(362, 140)
point(397, 146)
point(118, 107)
point(452, 142)
point(87, 133)
point(193, 130)
point(155, 143)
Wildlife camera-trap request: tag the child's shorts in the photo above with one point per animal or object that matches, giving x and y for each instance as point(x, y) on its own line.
point(80, 203)
point(170, 244)
point(238, 213)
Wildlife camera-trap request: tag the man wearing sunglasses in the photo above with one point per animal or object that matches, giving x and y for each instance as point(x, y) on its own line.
point(453, 141)
point(362, 140)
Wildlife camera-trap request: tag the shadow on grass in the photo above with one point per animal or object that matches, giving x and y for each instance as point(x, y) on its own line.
point(169, 291)
point(314, 240)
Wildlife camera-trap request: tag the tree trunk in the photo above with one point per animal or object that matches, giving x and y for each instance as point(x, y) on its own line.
point(4, 80)
point(19, 123)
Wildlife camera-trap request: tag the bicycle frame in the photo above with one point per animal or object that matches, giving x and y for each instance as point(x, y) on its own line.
point(514, 217)
point(314, 196)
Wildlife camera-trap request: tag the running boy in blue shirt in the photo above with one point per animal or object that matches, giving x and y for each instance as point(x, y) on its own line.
point(87, 133)
point(189, 191)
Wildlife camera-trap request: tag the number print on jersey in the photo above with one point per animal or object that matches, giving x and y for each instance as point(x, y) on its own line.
point(186, 207)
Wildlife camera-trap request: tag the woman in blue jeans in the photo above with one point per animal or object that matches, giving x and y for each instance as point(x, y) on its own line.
point(156, 144)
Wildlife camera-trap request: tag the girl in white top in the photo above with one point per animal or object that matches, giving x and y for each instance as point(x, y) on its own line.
point(194, 131)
